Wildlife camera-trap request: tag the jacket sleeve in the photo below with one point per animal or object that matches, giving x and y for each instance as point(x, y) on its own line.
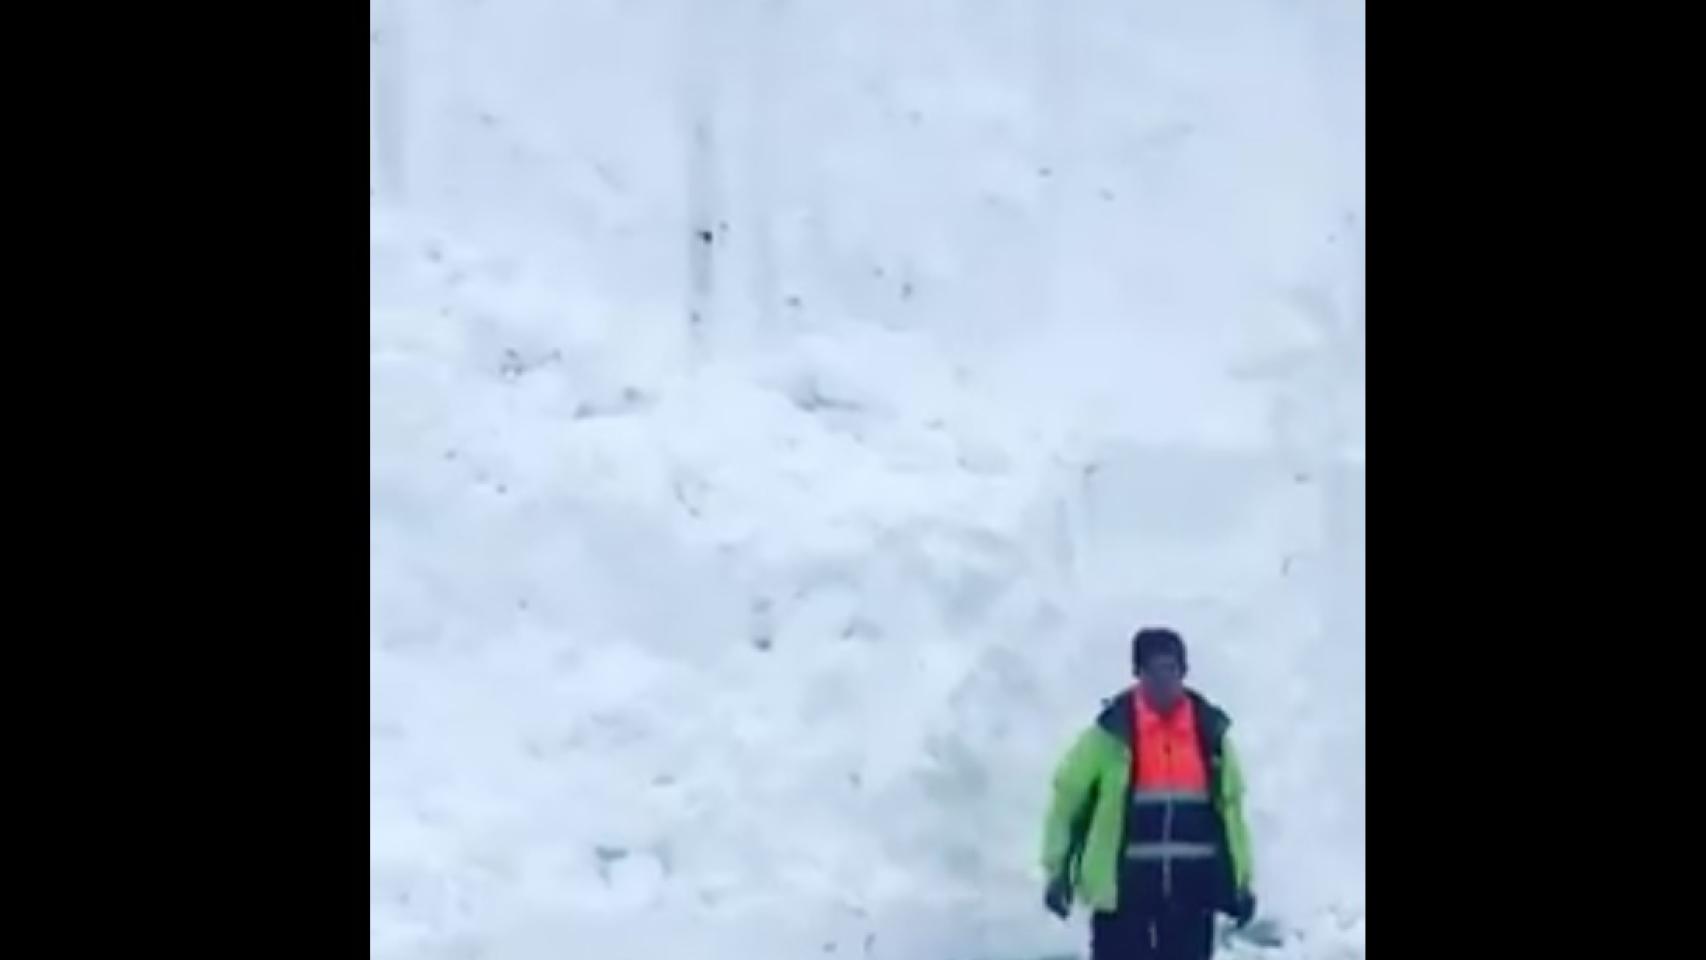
point(1232, 811)
point(1074, 777)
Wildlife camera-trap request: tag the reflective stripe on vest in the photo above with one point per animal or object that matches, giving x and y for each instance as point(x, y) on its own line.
point(1171, 851)
point(1155, 798)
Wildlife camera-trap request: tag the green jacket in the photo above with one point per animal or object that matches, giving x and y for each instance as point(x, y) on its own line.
point(1084, 835)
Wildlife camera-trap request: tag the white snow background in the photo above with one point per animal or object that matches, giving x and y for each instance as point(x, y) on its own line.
point(733, 598)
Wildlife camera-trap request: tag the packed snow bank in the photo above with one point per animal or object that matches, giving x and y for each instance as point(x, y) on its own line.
point(734, 597)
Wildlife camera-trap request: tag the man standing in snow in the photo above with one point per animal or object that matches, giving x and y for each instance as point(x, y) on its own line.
point(1146, 827)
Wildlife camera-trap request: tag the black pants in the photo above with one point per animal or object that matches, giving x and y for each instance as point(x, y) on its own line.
point(1157, 933)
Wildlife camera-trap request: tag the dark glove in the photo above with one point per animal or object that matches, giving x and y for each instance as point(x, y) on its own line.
point(1243, 909)
point(1058, 898)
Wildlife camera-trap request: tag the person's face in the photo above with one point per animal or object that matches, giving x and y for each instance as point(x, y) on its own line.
point(1163, 680)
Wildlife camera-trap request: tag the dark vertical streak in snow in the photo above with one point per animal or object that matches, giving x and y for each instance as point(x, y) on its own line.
point(388, 106)
point(1052, 126)
point(699, 100)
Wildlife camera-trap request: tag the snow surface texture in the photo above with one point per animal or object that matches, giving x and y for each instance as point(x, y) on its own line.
point(782, 413)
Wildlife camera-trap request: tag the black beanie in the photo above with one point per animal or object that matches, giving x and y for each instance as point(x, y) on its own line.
point(1153, 640)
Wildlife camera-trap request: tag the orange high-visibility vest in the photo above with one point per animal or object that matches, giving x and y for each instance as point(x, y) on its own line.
point(1168, 754)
